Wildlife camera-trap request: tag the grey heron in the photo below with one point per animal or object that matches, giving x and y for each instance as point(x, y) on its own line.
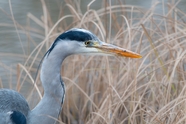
point(14, 108)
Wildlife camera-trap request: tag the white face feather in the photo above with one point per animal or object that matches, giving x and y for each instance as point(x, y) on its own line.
point(75, 47)
point(72, 44)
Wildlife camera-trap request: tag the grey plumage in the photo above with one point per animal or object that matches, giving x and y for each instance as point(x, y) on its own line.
point(17, 103)
point(11, 100)
point(13, 107)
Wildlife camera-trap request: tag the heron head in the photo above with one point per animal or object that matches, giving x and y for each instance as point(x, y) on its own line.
point(81, 41)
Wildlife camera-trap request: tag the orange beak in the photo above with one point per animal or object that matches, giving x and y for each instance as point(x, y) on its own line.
point(112, 49)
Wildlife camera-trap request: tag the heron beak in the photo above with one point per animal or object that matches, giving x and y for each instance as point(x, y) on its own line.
point(112, 49)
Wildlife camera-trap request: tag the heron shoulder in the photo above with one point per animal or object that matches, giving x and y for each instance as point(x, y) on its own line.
point(12, 100)
point(17, 117)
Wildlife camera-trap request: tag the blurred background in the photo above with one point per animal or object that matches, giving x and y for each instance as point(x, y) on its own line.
point(28, 27)
point(14, 39)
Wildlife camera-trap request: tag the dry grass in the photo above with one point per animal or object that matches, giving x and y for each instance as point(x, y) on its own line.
point(114, 90)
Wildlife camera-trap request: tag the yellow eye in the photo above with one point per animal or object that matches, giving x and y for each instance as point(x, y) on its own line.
point(87, 43)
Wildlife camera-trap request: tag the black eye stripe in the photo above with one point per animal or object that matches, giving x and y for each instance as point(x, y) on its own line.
point(80, 35)
point(76, 35)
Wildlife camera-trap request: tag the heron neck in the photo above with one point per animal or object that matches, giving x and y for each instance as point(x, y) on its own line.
point(48, 109)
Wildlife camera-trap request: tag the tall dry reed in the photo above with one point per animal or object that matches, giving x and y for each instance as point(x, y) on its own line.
point(115, 90)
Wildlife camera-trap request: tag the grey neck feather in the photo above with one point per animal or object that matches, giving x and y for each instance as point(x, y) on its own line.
point(48, 109)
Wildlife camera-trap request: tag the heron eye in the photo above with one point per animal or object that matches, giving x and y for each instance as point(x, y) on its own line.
point(87, 43)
